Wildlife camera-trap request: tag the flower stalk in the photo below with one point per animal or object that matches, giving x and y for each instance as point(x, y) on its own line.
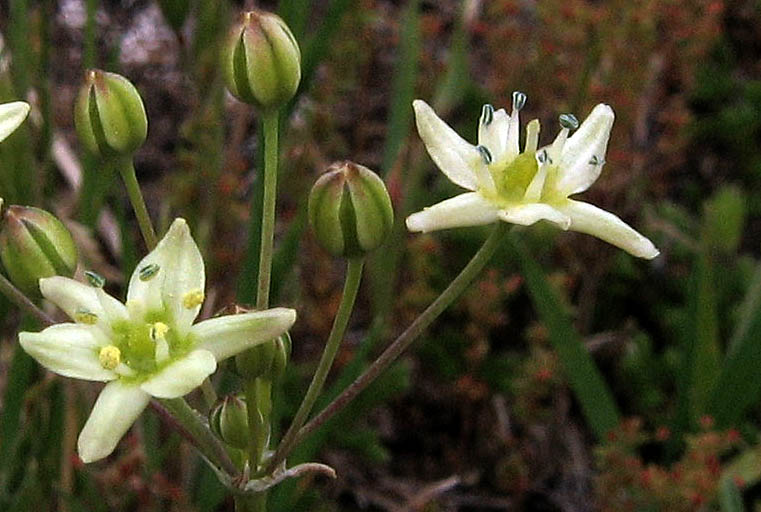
point(438, 306)
point(351, 286)
point(270, 127)
point(127, 171)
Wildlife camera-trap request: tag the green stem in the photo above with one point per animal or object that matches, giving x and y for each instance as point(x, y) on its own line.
point(193, 426)
point(23, 302)
point(270, 126)
point(351, 286)
point(127, 171)
point(438, 306)
point(259, 406)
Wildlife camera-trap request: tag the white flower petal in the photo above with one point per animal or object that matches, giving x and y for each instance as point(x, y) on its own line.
point(116, 409)
point(455, 156)
point(492, 133)
point(179, 272)
point(182, 376)
point(226, 336)
point(75, 298)
point(583, 153)
point(530, 213)
point(70, 350)
point(11, 116)
point(595, 221)
point(468, 209)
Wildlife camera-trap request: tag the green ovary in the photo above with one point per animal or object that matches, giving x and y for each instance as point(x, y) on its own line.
point(138, 349)
point(512, 179)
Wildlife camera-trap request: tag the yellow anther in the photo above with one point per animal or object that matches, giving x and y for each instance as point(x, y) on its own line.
point(110, 357)
point(85, 317)
point(192, 299)
point(159, 330)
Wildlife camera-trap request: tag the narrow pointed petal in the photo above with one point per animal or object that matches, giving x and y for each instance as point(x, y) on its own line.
point(226, 336)
point(492, 132)
point(116, 409)
point(11, 116)
point(70, 350)
point(453, 155)
point(595, 221)
point(182, 376)
point(168, 274)
point(583, 153)
point(469, 209)
point(75, 298)
point(530, 213)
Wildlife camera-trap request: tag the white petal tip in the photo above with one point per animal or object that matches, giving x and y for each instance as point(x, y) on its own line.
point(647, 251)
point(414, 223)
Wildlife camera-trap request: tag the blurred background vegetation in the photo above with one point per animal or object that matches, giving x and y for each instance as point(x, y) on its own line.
point(500, 406)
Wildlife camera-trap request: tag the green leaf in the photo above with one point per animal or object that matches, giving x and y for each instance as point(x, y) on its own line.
point(591, 391)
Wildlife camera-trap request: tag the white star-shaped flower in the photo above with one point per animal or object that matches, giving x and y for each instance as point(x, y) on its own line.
point(523, 188)
point(148, 347)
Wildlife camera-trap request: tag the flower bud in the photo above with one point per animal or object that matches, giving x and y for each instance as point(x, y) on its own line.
point(34, 244)
point(229, 420)
point(350, 210)
point(109, 115)
point(262, 61)
point(266, 360)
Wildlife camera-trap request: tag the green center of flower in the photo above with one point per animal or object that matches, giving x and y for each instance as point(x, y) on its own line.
point(146, 347)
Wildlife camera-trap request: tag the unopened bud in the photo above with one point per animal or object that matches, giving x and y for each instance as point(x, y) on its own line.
point(34, 244)
point(262, 61)
point(350, 210)
point(266, 360)
point(229, 420)
point(109, 115)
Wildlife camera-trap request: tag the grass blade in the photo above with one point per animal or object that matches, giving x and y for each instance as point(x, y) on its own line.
point(591, 391)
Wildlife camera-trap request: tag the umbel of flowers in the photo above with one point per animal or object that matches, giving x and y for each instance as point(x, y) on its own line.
point(523, 187)
point(147, 347)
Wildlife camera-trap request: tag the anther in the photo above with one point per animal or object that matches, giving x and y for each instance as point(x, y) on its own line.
point(95, 280)
point(192, 299)
point(568, 121)
point(485, 154)
point(487, 115)
point(159, 330)
point(147, 272)
point(83, 316)
point(109, 357)
point(519, 100)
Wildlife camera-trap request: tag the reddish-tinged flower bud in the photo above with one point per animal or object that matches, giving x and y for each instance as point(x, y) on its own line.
point(109, 115)
point(261, 60)
point(350, 210)
point(34, 244)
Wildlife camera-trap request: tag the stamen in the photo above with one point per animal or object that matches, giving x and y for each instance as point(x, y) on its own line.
point(534, 190)
point(519, 100)
point(159, 330)
point(487, 115)
point(82, 316)
point(158, 335)
point(569, 121)
point(485, 154)
point(109, 357)
point(95, 280)
point(148, 272)
point(532, 136)
point(193, 299)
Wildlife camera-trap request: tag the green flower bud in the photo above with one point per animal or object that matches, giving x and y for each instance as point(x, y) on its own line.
point(350, 210)
point(266, 360)
point(34, 244)
point(109, 115)
point(261, 60)
point(229, 420)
